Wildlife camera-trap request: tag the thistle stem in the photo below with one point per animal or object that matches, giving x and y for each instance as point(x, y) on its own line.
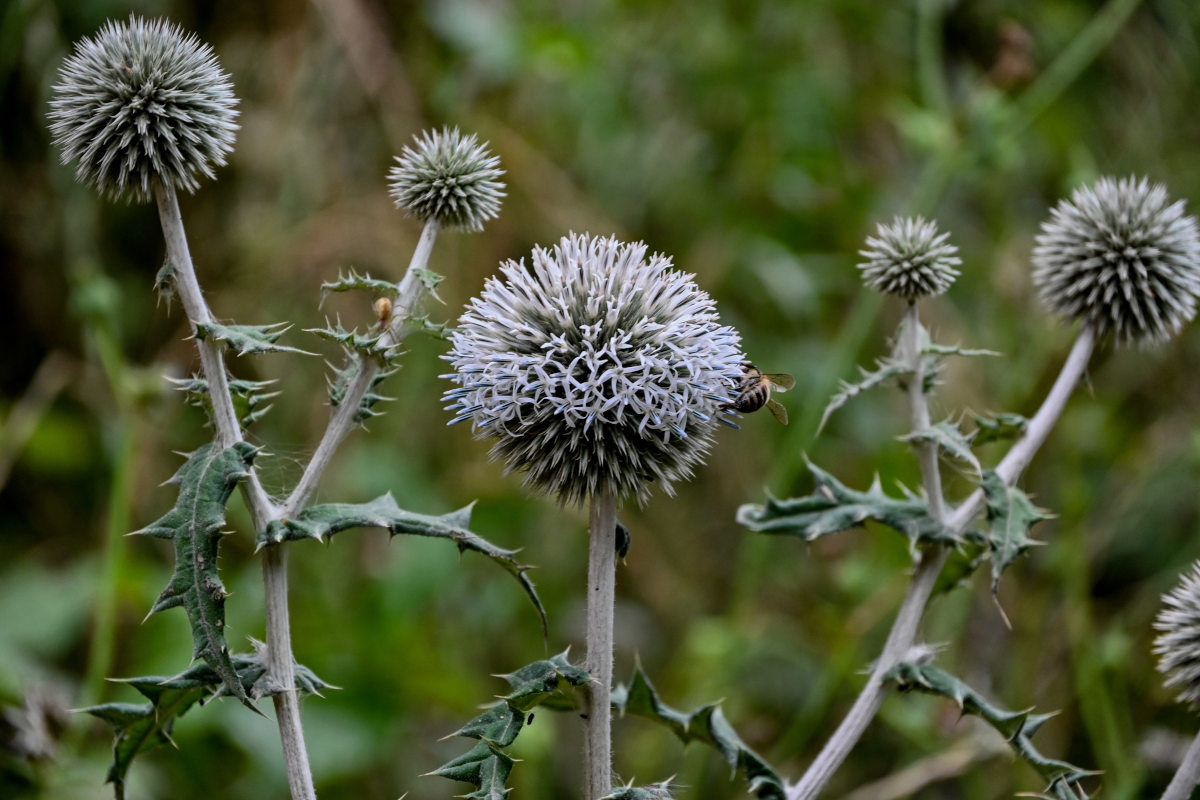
point(408, 298)
point(1187, 776)
point(262, 510)
point(602, 565)
point(904, 628)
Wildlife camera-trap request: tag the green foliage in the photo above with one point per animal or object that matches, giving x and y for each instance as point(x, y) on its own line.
point(164, 282)
point(140, 727)
point(248, 339)
point(322, 521)
point(339, 384)
point(888, 370)
point(706, 724)
point(248, 397)
point(834, 507)
point(549, 682)
point(1005, 425)
point(657, 791)
point(354, 281)
point(205, 483)
point(1010, 515)
point(374, 344)
point(430, 280)
point(1017, 727)
point(948, 438)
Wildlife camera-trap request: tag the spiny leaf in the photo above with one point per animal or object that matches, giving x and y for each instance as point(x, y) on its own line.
point(932, 348)
point(205, 483)
point(545, 683)
point(948, 438)
point(1005, 425)
point(375, 343)
point(706, 724)
point(656, 791)
point(248, 397)
point(139, 727)
point(485, 766)
point(833, 507)
point(430, 280)
point(164, 282)
point(438, 330)
point(1015, 726)
point(340, 384)
point(244, 339)
point(1010, 515)
point(499, 724)
point(346, 283)
point(846, 391)
point(322, 521)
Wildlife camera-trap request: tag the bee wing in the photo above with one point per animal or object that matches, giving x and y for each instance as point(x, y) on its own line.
point(781, 381)
point(777, 411)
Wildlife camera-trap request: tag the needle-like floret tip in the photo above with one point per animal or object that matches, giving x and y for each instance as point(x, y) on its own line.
point(1123, 258)
point(142, 100)
point(450, 178)
point(594, 367)
point(909, 259)
point(1178, 642)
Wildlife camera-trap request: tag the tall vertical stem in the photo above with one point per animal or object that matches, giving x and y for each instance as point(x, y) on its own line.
point(602, 566)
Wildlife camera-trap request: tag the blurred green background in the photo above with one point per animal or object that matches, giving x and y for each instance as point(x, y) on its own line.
point(758, 143)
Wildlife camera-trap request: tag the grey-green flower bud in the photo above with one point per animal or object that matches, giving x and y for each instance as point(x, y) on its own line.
point(1178, 643)
point(1123, 258)
point(142, 100)
point(450, 178)
point(909, 259)
point(594, 368)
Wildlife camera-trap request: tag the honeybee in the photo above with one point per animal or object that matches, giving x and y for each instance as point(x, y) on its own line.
point(754, 392)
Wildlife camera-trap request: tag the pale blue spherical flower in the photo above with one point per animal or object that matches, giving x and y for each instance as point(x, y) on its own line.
point(909, 258)
point(450, 178)
point(594, 367)
point(1178, 642)
point(142, 100)
point(1123, 258)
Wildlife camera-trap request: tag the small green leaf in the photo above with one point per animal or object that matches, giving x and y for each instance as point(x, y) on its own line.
point(249, 397)
point(934, 349)
point(847, 391)
point(205, 483)
point(484, 766)
point(322, 521)
point(1017, 727)
point(833, 507)
point(346, 283)
point(376, 343)
point(164, 282)
point(949, 439)
point(1002, 426)
point(499, 724)
point(656, 791)
point(1010, 515)
point(430, 280)
point(243, 339)
point(140, 727)
point(438, 330)
point(706, 724)
point(545, 683)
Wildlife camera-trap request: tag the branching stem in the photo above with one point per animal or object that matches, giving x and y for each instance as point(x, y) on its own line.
point(602, 564)
point(1187, 776)
point(904, 628)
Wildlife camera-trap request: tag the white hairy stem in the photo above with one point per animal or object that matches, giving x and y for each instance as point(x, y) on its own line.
point(601, 586)
point(1187, 776)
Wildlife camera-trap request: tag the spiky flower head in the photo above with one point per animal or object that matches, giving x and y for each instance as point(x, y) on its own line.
point(140, 100)
point(594, 367)
point(909, 259)
point(450, 178)
point(1123, 258)
point(1178, 642)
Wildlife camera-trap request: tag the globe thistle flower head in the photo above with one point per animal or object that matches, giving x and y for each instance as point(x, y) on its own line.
point(594, 368)
point(450, 178)
point(1123, 258)
point(1178, 643)
point(909, 259)
point(142, 100)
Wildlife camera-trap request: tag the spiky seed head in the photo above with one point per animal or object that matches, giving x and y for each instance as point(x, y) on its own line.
point(594, 367)
point(139, 100)
point(909, 259)
point(1122, 257)
point(1178, 643)
point(450, 178)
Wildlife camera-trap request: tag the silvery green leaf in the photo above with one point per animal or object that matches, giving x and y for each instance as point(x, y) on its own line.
point(1010, 515)
point(252, 339)
point(205, 483)
point(324, 520)
point(485, 766)
point(834, 507)
point(656, 791)
point(249, 397)
point(1005, 425)
point(846, 391)
point(934, 349)
point(346, 283)
point(430, 280)
point(949, 439)
point(1017, 727)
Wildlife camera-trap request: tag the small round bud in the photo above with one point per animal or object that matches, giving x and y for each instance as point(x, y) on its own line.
point(450, 178)
point(1178, 643)
point(594, 368)
point(1121, 257)
point(141, 100)
point(909, 259)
